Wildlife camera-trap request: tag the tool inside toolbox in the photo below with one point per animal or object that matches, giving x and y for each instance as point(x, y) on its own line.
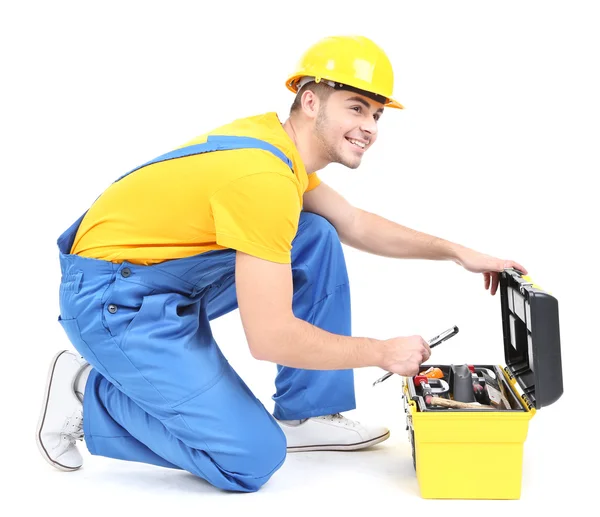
point(464, 388)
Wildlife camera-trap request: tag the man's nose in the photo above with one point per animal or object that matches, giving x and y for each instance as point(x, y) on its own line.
point(369, 126)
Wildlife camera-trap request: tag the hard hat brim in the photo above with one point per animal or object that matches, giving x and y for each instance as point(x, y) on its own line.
point(391, 103)
point(292, 85)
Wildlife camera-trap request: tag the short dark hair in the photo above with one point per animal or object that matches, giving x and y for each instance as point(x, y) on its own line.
point(320, 89)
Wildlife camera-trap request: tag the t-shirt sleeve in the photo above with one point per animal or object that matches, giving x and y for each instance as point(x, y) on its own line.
point(313, 181)
point(258, 214)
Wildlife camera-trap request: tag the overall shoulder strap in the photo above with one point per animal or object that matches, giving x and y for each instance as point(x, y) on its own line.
point(218, 143)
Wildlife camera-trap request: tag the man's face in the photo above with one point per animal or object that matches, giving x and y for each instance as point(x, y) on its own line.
point(346, 126)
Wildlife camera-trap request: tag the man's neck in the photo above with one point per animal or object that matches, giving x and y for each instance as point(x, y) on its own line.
point(307, 145)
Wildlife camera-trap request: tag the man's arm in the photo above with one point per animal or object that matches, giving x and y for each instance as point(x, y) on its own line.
point(374, 234)
point(264, 292)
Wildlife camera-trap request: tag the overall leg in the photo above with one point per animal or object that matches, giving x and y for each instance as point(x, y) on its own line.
point(322, 298)
point(162, 392)
point(309, 403)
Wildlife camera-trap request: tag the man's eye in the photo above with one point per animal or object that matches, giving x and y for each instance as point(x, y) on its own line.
point(356, 108)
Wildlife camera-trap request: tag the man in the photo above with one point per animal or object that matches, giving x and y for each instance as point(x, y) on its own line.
point(235, 218)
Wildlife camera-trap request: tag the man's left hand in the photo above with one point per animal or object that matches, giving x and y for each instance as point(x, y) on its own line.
point(490, 267)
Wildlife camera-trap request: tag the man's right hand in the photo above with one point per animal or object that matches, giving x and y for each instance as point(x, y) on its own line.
point(404, 355)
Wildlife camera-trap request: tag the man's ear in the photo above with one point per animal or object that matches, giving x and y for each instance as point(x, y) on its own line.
point(310, 103)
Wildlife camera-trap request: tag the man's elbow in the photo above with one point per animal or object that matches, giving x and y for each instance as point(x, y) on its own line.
point(267, 340)
point(259, 346)
point(260, 352)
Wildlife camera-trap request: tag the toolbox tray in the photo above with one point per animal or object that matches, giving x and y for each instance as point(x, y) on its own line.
point(516, 402)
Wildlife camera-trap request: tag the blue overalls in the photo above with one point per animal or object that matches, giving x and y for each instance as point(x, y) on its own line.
point(161, 391)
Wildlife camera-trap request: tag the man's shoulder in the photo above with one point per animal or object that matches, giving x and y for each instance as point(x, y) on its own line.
point(263, 126)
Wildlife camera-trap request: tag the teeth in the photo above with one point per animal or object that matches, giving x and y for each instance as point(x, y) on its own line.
point(362, 145)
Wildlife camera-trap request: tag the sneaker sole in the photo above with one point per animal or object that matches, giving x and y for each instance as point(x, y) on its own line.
point(38, 434)
point(340, 447)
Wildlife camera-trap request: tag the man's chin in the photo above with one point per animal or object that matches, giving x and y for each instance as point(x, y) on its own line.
point(350, 160)
point(351, 163)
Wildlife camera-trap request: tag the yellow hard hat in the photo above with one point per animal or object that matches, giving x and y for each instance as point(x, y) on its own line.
point(348, 62)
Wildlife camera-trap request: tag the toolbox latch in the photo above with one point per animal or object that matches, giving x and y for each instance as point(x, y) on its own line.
point(523, 285)
point(509, 374)
point(527, 402)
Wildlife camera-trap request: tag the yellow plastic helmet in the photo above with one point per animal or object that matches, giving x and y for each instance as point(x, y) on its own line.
point(347, 62)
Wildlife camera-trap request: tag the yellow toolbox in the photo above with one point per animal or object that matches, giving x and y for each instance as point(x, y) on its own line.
point(496, 403)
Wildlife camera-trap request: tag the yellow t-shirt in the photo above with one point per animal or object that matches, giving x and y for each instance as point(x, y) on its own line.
point(244, 199)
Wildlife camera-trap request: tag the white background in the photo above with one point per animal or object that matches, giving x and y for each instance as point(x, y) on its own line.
point(497, 150)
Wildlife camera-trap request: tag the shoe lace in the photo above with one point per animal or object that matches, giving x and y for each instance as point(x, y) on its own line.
point(73, 428)
point(342, 420)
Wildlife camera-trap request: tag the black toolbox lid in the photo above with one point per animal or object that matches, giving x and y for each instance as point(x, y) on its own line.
point(531, 338)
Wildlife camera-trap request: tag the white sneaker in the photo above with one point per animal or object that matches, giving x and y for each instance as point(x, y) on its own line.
point(61, 419)
point(330, 433)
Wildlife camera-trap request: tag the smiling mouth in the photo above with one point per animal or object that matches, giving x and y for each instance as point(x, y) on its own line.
point(356, 143)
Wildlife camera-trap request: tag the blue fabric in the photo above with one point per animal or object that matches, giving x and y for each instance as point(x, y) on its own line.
point(161, 391)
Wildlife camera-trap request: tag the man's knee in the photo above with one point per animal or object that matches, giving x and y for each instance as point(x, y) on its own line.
point(264, 451)
point(317, 225)
point(267, 448)
point(317, 254)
